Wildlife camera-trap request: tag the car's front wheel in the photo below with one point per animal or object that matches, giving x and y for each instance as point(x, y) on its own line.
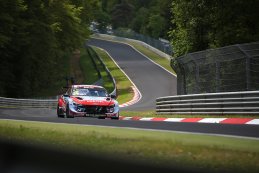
point(59, 113)
point(115, 118)
point(68, 114)
point(101, 117)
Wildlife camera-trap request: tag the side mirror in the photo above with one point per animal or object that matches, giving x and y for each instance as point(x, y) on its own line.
point(113, 96)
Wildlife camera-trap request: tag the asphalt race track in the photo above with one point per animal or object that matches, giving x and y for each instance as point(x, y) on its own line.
point(49, 115)
point(151, 80)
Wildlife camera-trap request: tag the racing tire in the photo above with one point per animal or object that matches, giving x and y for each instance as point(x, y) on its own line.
point(59, 114)
point(115, 118)
point(68, 115)
point(101, 117)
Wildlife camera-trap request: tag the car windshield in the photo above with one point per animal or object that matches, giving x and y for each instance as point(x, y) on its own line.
point(89, 92)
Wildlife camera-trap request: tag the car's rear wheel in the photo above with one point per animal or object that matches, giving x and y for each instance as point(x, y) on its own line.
point(68, 115)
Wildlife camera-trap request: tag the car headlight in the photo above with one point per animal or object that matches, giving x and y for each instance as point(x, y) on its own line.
point(75, 104)
point(111, 109)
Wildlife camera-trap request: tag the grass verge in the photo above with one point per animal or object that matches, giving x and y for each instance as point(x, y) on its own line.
point(200, 152)
point(153, 56)
point(124, 90)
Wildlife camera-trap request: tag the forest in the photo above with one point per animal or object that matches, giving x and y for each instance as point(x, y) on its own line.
point(38, 37)
point(36, 41)
point(190, 25)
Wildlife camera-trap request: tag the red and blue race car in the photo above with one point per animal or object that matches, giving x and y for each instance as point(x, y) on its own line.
point(87, 100)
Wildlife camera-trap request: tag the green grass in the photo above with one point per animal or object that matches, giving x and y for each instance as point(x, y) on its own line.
point(156, 58)
point(202, 152)
point(124, 90)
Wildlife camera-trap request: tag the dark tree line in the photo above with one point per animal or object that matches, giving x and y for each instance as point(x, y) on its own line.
point(191, 25)
point(203, 24)
point(36, 40)
point(148, 17)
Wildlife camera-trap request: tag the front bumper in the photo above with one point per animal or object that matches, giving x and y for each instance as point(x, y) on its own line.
point(74, 111)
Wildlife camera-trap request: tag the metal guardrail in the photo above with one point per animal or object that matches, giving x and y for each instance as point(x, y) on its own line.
point(94, 55)
point(27, 103)
point(225, 103)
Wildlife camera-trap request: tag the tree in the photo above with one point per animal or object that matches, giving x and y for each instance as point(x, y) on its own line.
point(155, 25)
point(204, 24)
point(122, 14)
point(36, 37)
point(139, 23)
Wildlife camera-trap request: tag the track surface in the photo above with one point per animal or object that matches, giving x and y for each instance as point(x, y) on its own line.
point(151, 80)
point(48, 115)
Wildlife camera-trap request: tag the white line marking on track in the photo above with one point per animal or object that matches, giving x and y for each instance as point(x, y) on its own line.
point(174, 119)
point(127, 118)
point(211, 120)
point(145, 119)
point(255, 121)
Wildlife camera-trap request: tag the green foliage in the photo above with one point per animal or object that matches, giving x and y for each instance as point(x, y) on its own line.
point(203, 24)
point(36, 39)
point(148, 17)
point(103, 19)
point(88, 69)
point(156, 25)
point(122, 14)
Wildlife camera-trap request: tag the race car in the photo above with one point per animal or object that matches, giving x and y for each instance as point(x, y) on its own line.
point(87, 100)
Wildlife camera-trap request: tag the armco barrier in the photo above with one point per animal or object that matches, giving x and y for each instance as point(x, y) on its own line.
point(228, 103)
point(94, 55)
point(27, 103)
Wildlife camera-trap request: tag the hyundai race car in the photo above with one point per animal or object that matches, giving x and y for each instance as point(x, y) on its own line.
point(87, 100)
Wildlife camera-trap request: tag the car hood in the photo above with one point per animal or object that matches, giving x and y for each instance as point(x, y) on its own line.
point(93, 101)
